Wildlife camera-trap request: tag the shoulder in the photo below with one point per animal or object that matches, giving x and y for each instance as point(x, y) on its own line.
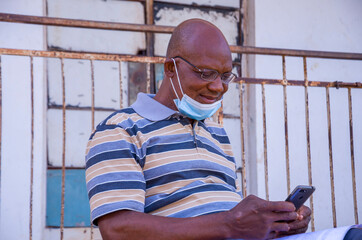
point(214, 127)
point(216, 131)
point(120, 120)
point(118, 117)
point(114, 136)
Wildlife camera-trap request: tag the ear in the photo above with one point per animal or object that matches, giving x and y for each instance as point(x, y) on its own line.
point(169, 68)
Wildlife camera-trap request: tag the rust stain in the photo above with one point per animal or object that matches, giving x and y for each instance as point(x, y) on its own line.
point(243, 165)
point(353, 169)
point(65, 22)
point(310, 180)
point(285, 83)
point(81, 55)
point(265, 144)
point(299, 83)
point(63, 155)
point(32, 149)
point(331, 170)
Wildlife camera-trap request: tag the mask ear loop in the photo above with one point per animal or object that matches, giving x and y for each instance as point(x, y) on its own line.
point(174, 89)
point(178, 79)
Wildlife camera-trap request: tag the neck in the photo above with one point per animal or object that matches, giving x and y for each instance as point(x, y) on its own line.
point(165, 95)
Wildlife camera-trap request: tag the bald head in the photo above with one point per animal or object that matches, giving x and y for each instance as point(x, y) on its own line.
point(200, 44)
point(194, 37)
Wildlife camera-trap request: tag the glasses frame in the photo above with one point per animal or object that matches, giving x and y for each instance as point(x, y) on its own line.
point(227, 81)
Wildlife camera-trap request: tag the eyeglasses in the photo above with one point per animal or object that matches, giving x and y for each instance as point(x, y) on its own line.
point(210, 74)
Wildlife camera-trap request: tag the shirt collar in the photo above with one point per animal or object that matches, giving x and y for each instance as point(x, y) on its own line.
point(149, 108)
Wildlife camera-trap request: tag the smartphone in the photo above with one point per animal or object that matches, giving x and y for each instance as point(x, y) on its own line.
point(299, 195)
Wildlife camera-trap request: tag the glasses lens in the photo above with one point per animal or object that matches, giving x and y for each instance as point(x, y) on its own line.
point(228, 77)
point(211, 75)
point(208, 74)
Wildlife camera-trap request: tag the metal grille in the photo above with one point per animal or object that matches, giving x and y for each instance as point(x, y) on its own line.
point(243, 82)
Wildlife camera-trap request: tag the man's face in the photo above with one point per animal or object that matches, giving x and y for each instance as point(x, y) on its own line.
point(193, 85)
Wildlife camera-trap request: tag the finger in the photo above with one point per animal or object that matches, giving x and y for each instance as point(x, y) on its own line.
point(281, 206)
point(284, 216)
point(304, 211)
point(299, 224)
point(293, 232)
point(280, 227)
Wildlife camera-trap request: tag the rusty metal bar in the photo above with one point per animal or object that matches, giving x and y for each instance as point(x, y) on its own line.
point(149, 59)
point(230, 116)
point(120, 85)
point(150, 44)
point(286, 125)
point(295, 53)
point(242, 40)
point(93, 124)
point(66, 22)
point(77, 108)
point(149, 12)
point(92, 227)
point(93, 99)
point(60, 167)
point(243, 165)
point(335, 84)
point(81, 55)
point(220, 116)
point(1, 115)
point(331, 158)
point(354, 187)
point(265, 145)
point(307, 129)
point(31, 149)
point(68, 107)
point(148, 77)
point(63, 156)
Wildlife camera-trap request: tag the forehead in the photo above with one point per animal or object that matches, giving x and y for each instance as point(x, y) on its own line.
point(212, 60)
point(207, 48)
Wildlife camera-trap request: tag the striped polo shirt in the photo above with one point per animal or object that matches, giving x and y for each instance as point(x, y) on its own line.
point(149, 158)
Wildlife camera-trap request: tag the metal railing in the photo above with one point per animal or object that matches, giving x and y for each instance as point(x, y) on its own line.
point(149, 60)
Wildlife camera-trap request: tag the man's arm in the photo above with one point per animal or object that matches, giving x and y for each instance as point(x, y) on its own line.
point(252, 218)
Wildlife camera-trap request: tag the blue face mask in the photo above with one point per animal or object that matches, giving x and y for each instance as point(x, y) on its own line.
point(192, 108)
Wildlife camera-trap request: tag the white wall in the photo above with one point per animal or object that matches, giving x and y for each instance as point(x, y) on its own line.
point(16, 126)
point(310, 25)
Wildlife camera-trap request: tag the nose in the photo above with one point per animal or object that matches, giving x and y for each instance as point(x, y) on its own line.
point(217, 85)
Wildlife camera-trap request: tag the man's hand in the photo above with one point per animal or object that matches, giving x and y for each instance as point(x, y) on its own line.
point(300, 225)
point(255, 218)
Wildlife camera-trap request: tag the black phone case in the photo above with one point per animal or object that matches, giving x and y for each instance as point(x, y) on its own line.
point(299, 195)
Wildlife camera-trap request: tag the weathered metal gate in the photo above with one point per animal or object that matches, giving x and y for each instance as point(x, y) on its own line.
point(244, 81)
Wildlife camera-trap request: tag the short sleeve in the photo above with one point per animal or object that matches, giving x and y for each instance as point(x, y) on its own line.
point(114, 177)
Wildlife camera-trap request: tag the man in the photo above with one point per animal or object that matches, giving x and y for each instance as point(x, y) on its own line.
point(160, 170)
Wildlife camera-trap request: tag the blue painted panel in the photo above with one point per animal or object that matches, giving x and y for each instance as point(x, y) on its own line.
point(76, 207)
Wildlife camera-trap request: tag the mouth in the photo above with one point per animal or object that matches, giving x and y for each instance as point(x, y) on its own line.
point(208, 99)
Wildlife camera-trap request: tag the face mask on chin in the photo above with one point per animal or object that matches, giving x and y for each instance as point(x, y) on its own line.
point(190, 107)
